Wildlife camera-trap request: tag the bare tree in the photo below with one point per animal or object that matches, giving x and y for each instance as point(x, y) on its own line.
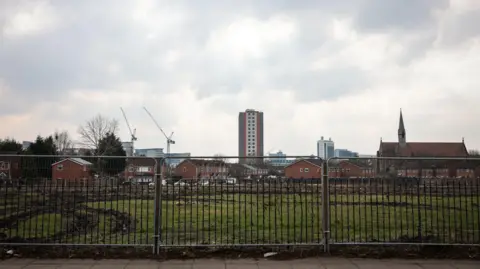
point(62, 141)
point(94, 130)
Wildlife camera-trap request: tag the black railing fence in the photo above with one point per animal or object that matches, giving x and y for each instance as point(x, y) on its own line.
point(226, 201)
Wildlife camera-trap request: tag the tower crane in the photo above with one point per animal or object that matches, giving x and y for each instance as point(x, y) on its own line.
point(169, 138)
point(133, 138)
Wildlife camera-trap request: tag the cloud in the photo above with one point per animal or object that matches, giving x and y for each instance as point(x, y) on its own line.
point(315, 68)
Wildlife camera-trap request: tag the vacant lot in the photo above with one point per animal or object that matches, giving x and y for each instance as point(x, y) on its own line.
point(215, 216)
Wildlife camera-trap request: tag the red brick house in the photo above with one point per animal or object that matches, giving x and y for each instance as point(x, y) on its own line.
point(304, 169)
point(10, 166)
point(140, 170)
point(201, 169)
point(241, 170)
point(351, 169)
point(72, 169)
point(425, 168)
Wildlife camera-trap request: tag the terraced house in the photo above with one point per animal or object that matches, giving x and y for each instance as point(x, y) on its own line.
point(195, 169)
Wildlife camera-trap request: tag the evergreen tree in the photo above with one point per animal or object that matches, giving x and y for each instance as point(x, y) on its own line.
point(10, 145)
point(36, 166)
point(110, 145)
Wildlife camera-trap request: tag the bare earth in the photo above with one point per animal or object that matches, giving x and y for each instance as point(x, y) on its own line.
point(314, 263)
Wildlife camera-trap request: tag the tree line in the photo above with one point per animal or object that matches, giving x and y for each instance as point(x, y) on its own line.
point(98, 137)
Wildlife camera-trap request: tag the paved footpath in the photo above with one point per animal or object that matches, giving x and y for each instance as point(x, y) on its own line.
point(312, 263)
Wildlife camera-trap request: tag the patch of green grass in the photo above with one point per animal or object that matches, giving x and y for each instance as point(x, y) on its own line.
point(282, 218)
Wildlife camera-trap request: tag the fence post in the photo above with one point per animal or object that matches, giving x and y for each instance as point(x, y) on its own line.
point(158, 207)
point(325, 207)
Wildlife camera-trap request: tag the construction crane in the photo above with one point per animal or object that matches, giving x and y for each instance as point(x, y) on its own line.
point(169, 138)
point(133, 138)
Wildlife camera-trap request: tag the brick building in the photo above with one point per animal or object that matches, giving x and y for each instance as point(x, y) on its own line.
point(10, 166)
point(425, 168)
point(140, 170)
point(351, 169)
point(195, 169)
point(72, 169)
point(304, 169)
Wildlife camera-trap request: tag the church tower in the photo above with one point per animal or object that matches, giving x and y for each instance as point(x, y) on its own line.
point(402, 141)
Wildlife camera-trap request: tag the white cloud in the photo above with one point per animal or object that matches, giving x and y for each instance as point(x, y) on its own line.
point(251, 38)
point(196, 77)
point(31, 18)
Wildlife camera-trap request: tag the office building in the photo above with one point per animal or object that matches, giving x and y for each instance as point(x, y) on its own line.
point(325, 148)
point(250, 134)
point(278, 159)
point(26, 145)
point(176, 158)
point(150, 152)
point(128, 147)
point(344, 153)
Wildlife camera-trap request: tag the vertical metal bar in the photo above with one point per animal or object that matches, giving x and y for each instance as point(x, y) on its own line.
point(157, 215)
point(105, 217)
point(460, 195)
point(19, 193)
point(233, 214)
point(62, 209)
point(361, 205)
point(429, 186)
point(269, 211)
point(75, 232)
point(455, 227)
point(437, 207)
point(477, 194)
point(318, 210)
point(325, 207)
point(263, 212)
point(405, 192)
point(472, 208)
point(6, 197)
point(187, 189)
point(288, 209)
point(419, 212)
point(197, 213)
point(353, 211)
point(467, 225)
point(449, 212)
point(389, 206)
point(385, 227)
point(227, 211)
point(142, 199)
point(295, 189)
point(445, 229)
point(251, 212)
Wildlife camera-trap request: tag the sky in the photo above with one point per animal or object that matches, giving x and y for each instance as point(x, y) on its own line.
point(339, 69)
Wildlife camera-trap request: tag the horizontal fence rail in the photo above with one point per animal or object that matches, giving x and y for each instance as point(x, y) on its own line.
point(404, 201)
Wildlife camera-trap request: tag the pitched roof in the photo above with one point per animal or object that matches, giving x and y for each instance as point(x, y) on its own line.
point(205, 162)
point(423, 149)
point(316, 162)
point(142, 161)
point(75, 160)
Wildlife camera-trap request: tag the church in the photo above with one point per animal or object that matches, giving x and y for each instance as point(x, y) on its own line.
point(424, 168)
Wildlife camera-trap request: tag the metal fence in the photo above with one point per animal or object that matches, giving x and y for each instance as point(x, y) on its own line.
point(428, 201)
point(227, 201)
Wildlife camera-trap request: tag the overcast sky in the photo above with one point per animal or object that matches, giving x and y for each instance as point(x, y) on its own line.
point(339, 69)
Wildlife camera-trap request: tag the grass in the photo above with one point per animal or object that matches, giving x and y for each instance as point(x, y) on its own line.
point(271, 219)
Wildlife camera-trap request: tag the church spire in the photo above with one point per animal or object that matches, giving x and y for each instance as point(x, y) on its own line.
point(401, 131)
